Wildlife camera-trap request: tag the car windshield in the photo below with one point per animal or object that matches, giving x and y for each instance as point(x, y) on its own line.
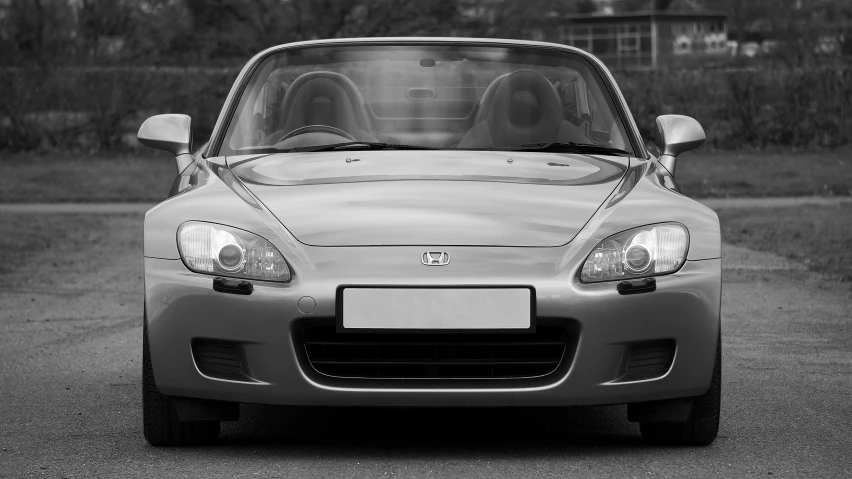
point(421, 96)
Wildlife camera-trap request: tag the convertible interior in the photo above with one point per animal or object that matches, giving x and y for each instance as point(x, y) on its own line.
point(520, 107)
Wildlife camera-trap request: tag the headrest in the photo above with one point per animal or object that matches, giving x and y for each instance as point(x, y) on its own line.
point(323, 89)
point(525, 109)
point(526, 98)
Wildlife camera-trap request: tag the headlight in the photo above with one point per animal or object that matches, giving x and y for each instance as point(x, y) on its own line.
point(216, 249)
point(639, 252)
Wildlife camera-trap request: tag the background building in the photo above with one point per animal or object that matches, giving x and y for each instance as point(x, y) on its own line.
point(648, 40)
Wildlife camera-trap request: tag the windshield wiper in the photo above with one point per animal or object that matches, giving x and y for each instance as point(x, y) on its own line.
point(349, 145)
point(569, 147)
point(361, 145)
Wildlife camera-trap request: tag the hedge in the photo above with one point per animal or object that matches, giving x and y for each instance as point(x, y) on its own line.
point(100, 108)
point(749, 108)
point(96, 108)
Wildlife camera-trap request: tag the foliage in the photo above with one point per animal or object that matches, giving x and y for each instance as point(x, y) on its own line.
point(94, 108)
point(799, 28)
point(74, 72)
point(749, 107)
point(225, 32)
point(256, 24)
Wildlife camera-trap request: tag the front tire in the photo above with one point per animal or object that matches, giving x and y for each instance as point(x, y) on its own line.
point(160, 421)
point(703, 424)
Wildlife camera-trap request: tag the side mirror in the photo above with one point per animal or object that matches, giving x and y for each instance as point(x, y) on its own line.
point(172, 133)
point(676, 134)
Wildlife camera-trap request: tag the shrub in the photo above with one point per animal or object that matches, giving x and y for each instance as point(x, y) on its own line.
point(748, 107)
point(94, 108)
point(101, 108)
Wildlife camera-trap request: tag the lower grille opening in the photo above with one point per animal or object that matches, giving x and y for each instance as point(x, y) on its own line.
point(439, 356)
point(218, 359)
point(649, 359)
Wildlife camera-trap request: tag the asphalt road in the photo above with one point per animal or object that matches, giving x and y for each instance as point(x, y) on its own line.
point(70, 353)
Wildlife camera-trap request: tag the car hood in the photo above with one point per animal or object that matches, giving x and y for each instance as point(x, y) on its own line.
point(425, 197)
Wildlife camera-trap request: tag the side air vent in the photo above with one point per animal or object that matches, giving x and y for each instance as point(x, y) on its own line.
point(218, 359)
point(648, 359)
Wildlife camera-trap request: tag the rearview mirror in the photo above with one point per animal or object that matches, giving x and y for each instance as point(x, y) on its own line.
point(172, 133)
point(676, 134)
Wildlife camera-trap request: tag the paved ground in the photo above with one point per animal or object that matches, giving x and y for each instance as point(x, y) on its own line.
point(70, 351)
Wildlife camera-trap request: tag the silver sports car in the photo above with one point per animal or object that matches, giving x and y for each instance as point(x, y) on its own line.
point(429, 222)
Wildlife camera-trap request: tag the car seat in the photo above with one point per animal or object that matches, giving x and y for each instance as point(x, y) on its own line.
point(325, 98)
point(519, 108)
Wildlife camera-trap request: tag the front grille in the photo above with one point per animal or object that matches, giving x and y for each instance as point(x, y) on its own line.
point(428, 356)
point(649, 359)
point(218, 359)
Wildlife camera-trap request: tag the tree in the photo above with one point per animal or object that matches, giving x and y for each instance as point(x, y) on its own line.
point(158, 29)
point(228, 28)
point(800, 28)
point(101, 20)
point(515, 18)
point(36, 30)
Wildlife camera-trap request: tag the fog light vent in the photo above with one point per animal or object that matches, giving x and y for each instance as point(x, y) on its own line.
point(649, 359)
point(218, 359)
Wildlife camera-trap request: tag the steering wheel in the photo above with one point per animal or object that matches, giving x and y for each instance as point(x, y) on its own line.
point(318, 129)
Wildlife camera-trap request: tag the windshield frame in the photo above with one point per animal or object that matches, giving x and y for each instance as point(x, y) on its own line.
point(243, 79)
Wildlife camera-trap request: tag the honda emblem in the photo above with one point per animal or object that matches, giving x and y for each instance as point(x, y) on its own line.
point(435, 258)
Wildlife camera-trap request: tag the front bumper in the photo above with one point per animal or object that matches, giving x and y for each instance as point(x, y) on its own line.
point(182, 306)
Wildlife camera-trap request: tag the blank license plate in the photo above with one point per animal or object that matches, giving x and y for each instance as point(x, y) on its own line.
point(437, 308)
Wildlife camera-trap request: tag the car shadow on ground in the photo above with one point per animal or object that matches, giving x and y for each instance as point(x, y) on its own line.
point(424, 432)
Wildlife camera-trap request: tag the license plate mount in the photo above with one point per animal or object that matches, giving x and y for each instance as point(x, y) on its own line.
point(435, 309)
